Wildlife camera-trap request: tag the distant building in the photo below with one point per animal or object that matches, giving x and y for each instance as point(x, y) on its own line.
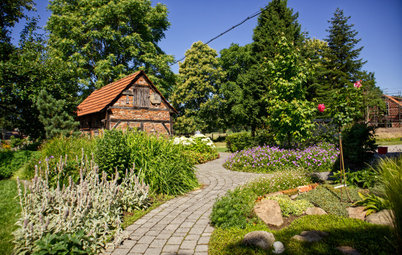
point(392, 117)
point(132, 102)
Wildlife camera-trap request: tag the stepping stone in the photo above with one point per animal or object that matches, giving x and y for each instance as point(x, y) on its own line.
point(315, 211)
point(348, 250)
point(356, 212)
point(269, 212)
point(261, 239)
point(278, 247)
point(310, 236)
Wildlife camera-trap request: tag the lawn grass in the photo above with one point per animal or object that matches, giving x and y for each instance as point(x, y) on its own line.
point(221, 147)
point(389, 141)
point(365, 237)
point(9, 210)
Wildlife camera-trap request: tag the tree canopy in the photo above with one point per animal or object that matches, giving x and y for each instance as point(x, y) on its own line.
point(107, 40)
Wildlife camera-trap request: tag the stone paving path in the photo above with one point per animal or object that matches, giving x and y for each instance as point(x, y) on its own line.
point(181, 225)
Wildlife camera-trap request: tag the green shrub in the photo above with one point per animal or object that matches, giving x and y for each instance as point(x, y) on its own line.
point(239, 141)
point(94, 206)
point(112, 152)
point(11, 161)
point(359, 146)
point(291, 207)
point(235, 209)
point(161, 164)
point(365, 178)
point(63, 244)
point(391, 177)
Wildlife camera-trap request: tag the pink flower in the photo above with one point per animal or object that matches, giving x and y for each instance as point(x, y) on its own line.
point(358, 84)
point(321, 107)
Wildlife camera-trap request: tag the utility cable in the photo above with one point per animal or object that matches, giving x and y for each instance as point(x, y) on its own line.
point(228, 30)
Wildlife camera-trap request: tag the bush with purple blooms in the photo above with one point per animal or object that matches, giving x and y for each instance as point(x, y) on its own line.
point(317, 158)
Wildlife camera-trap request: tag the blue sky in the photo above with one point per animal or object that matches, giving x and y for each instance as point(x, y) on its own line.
point(378, 23)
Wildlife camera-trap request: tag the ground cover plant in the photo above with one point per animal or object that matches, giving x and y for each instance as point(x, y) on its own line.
point(9, 211)
point(317, 158)
point(198, 147)
point(94, 206)
point(235, 209)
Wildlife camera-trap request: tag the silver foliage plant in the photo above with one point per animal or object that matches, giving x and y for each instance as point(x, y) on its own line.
point(94, 205)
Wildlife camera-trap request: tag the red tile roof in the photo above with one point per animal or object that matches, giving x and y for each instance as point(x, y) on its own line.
point(101, 98)
point(394, 100)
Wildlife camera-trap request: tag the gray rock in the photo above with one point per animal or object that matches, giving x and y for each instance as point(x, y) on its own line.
point(383, 217)
point(356, 212)
point(315, 211)
point(348, 250)
point(261, 239)
point(310, 236)
point(278, 247)
point(269, 212)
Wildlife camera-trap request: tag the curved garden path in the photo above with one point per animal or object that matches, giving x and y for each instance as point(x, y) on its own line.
point(181, 225)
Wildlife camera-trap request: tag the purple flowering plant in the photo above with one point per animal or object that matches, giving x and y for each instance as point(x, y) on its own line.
point(263, 159)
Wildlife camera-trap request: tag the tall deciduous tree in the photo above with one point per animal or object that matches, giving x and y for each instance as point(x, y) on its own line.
point(275, 21)
point(289, 113)
point(235, 61)
point(11, 11)
point(198, 81)
point(106, 40)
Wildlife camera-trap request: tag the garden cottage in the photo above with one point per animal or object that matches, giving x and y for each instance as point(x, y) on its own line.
point(132, 102)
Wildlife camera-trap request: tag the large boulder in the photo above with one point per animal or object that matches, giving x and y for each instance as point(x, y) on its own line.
point(261, 239)
point(310, 236)
point(356, 212)
point(269, 212)
point(383, 217)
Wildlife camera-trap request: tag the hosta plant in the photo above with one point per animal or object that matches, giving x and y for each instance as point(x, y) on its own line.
point(94, 206)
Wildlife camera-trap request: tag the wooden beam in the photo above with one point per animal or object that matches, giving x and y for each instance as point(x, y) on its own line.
point(139, 120)
point(139, 108)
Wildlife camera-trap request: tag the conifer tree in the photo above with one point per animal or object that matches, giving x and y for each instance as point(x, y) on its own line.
point(342, 62)
point(198, 81)
point(52, 115)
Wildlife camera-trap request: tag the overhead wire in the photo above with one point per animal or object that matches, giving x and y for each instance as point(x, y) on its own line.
point(221, 34)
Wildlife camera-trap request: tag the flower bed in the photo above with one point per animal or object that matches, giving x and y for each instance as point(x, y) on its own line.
point(317, 158)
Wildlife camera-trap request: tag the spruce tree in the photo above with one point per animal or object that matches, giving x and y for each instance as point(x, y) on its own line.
point(342, 62)
point(52, 115)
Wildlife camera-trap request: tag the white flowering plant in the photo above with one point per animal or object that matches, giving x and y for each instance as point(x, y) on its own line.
point(199, 147)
